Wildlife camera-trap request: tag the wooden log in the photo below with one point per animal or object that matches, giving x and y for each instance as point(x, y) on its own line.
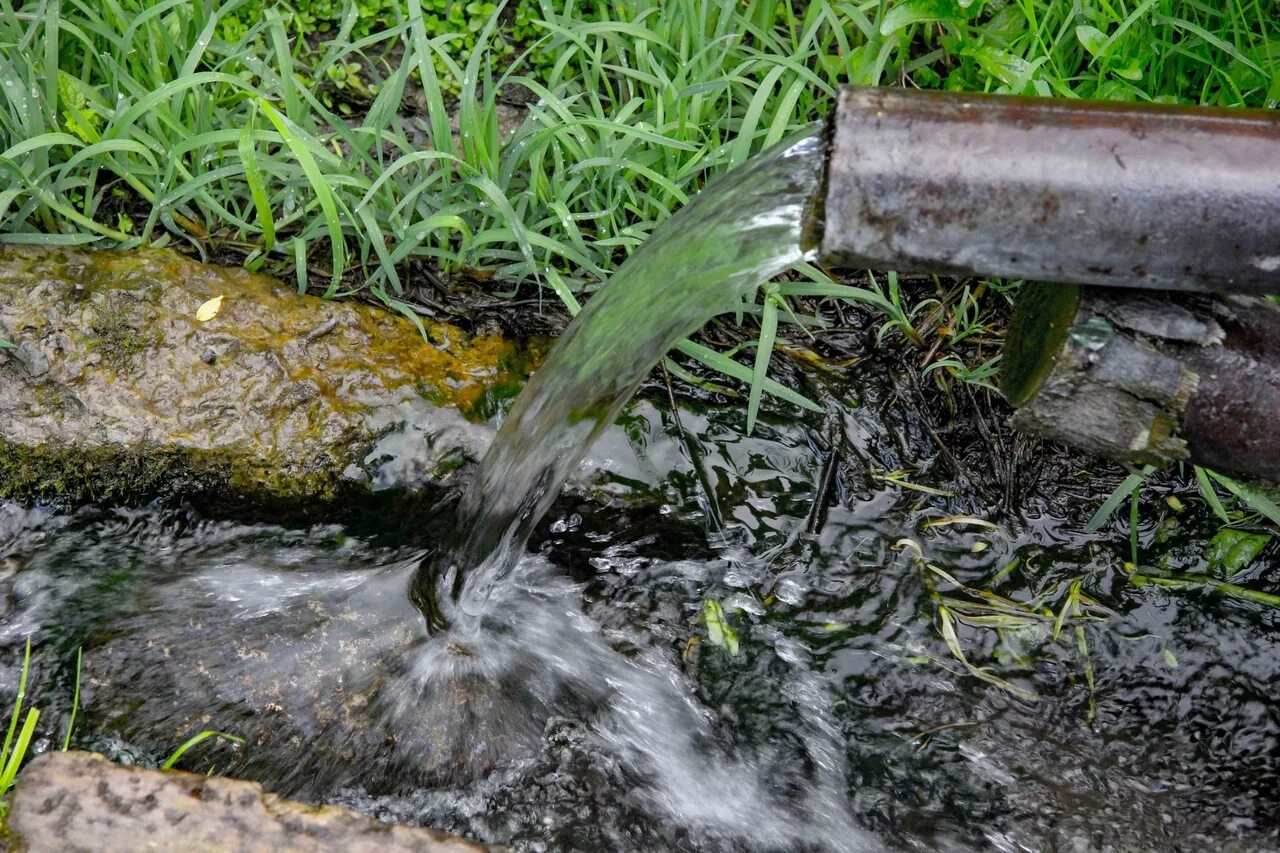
point(1149, 378)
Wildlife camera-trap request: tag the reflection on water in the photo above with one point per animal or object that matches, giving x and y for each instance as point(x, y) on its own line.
point(583, 718)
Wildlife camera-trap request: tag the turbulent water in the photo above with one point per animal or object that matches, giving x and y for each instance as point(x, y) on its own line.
point(582, 697)
point(593, 721)
point(704, 261)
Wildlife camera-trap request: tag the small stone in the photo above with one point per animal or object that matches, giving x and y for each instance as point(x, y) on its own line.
point(355, 473)
point(32, 358)
point(209, 356)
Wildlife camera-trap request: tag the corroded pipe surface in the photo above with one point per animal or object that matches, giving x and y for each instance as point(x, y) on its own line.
point(1146, 196)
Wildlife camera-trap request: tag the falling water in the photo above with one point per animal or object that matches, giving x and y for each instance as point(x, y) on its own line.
point(738, 233)
point(561, 715)
point(735, 235)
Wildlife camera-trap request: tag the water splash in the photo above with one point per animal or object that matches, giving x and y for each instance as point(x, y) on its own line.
point(739, 232)
point(712, 254)
point(646, 717)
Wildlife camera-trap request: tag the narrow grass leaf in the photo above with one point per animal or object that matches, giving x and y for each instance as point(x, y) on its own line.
point(1122, 492)
point(764, 349)
point(1210, 495)
point(248, 154)
point(196, 740)
point(75, 703)
point(321, 189)
point(731, 368)
point(19, 753)
point(17, 704)
point(1251, 496)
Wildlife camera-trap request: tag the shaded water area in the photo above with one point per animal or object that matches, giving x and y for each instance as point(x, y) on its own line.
point(611, 731)
point(703, 647)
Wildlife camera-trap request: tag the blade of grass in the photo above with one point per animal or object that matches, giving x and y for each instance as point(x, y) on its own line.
point(17, 704)
point(75, 704)
point(195, 740)
point(1124, 490)
point(257, 187)
point(19, 753)
point(1250, 496)
point(302, 152)
point(764, 349)
point(731, 368)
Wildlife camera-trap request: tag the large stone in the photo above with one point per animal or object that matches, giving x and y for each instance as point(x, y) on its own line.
point(117, 390)
point(80, 801)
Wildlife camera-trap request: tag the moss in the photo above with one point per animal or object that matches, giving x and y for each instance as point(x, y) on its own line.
point(223, 482)
point(493, 399)
point(62, 474)
point(118, 341)
point(70, 475)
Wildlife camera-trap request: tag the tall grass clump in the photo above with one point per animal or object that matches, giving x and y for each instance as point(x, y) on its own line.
point(124, 122)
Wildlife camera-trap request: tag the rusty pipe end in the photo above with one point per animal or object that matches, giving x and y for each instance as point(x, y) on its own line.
point(1150, 196)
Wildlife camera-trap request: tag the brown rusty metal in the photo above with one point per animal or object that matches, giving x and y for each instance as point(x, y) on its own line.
point(1145, 196)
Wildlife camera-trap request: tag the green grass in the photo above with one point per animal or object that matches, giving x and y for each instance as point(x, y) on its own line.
point(195, 740)
point(187, 125)
point(17, 740)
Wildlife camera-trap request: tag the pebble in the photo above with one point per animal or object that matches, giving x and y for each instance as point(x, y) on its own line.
point(32, 358)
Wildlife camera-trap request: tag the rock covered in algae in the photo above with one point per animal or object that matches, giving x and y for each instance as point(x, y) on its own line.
point(81, 801)
point(116, 389)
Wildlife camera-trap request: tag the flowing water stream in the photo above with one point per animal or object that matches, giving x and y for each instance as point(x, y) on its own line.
point(577, 701)
point(710, 256)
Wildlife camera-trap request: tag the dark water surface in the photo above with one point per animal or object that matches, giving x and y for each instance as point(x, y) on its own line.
point(596, 714)
point(714, 642)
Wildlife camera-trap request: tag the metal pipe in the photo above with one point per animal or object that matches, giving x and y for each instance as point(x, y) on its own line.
point(1152, 196)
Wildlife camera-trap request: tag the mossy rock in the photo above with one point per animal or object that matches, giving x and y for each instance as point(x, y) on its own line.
point(118, 392)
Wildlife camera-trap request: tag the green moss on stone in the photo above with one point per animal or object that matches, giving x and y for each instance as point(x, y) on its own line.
point(222, 482)
point(118, 341)
point(72, 475)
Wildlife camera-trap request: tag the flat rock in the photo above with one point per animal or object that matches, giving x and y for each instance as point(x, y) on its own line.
point(117, 390)
point(67, 801)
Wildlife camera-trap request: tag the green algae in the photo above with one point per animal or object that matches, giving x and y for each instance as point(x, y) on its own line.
point(68, 475)
point(119, 342)
point(268, 404)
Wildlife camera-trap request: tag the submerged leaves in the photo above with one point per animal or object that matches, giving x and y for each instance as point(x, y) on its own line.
point(1230, 550)
point(719, 632)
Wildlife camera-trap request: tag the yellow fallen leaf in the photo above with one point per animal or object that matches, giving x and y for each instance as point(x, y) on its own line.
point(209, 310)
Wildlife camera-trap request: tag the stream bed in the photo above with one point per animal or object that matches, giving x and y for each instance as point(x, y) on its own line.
point(697, 661)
